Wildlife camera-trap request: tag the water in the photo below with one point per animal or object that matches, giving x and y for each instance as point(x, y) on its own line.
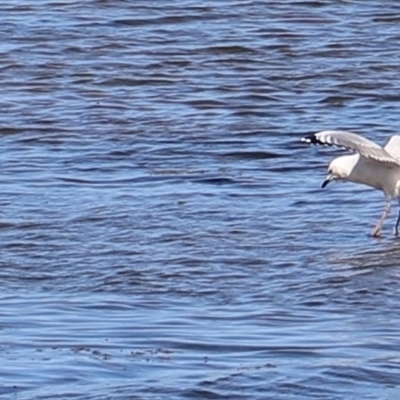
point(163, 233)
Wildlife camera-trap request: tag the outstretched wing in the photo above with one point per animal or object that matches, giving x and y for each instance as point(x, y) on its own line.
point(393, 146)
point(351, 141)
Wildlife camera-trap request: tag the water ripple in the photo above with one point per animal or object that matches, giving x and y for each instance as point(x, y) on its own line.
point(163, 230)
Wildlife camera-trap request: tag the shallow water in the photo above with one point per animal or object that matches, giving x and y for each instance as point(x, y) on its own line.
point(163, 230)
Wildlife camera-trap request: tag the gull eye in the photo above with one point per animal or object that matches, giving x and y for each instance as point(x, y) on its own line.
point(329, 170)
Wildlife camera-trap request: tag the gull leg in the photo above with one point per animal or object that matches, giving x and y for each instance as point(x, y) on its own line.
point(378, 228)
point(396, 228)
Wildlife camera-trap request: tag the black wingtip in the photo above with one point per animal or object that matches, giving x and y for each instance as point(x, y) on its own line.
point(311, 139)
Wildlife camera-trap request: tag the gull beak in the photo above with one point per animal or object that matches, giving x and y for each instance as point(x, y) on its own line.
point(328, 179)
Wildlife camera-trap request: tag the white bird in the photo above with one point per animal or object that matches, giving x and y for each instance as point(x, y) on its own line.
point(371, 165)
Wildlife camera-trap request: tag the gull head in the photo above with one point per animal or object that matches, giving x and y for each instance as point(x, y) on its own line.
point(340, 169)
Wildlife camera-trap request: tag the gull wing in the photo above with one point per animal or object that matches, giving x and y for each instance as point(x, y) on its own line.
point(351, 141)
point(393, 146)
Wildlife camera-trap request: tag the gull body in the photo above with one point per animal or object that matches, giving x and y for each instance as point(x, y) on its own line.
point(372, 165)
point(356, 169)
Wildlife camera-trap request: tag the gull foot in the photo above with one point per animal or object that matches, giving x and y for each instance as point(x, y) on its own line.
point(395, 232)
point(376, 232)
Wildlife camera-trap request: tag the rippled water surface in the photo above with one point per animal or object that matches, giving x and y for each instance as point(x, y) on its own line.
point(163, 231)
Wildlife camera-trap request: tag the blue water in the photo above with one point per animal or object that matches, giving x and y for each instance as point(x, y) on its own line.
point(163, 231)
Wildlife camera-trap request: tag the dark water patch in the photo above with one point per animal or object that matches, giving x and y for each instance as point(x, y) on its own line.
point(228, 50)
point(386, 18)
point(216, 181)
point(148, 80)
point(252, 155)
point(337, 100)
point(207, 104)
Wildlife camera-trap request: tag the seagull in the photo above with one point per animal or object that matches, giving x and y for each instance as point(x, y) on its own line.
point(371, 165)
